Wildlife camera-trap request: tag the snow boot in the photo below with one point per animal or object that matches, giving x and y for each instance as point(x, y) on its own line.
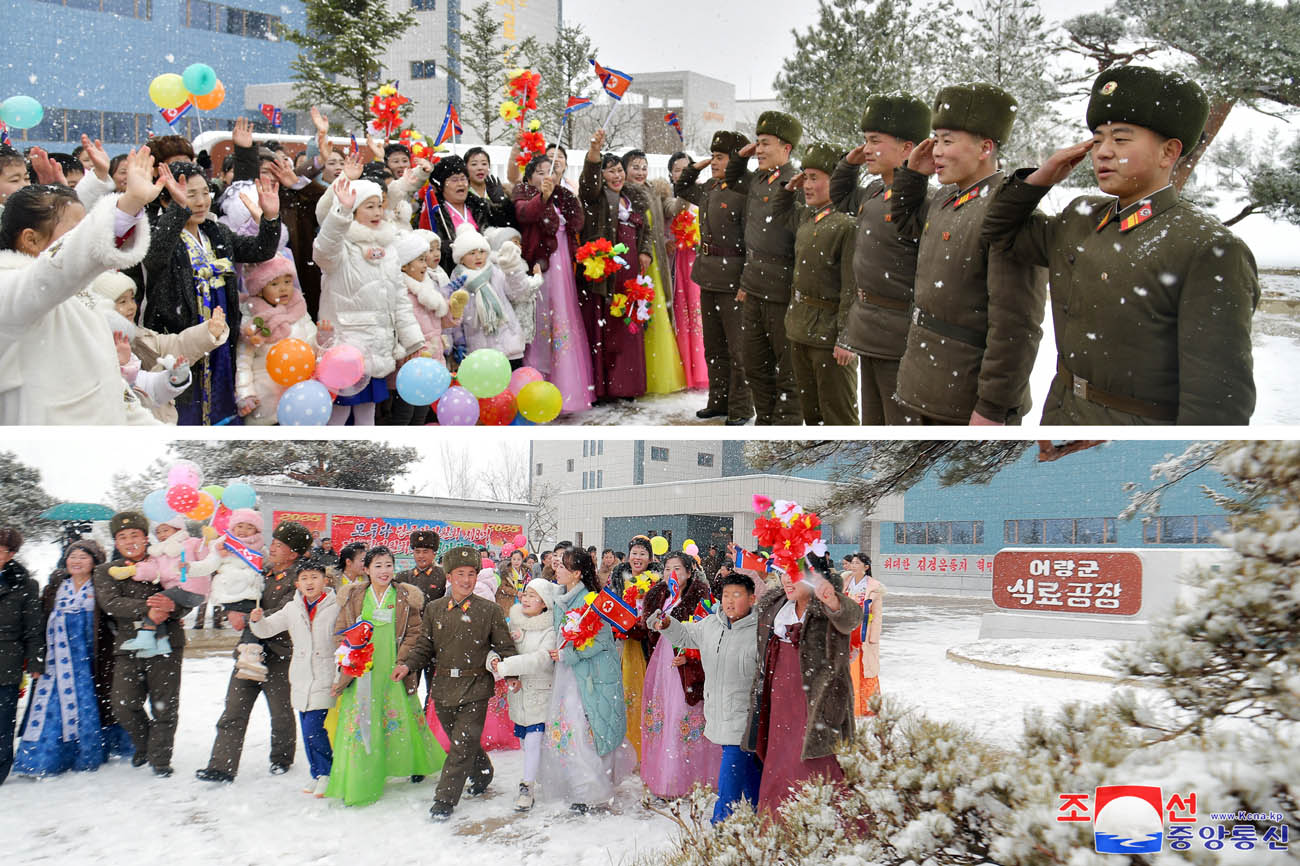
point(322, 783)
point(440, 811)
point(121, 572)
point(144, 644)
point(249, 664)
point(524, 801)
point(163, 644)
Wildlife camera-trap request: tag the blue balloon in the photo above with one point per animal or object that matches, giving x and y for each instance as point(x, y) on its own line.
point(521, 421)
point(422, 381)
point(307, 404)
point(239, 495)
point(156, 507)
point(21, 112)
point(199, 79)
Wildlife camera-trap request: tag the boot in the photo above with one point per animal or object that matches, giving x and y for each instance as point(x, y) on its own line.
point(144, 644)
point(249, 664)
point(322, 783)
point(164, 644)
point(524, 801)
point(121, 572)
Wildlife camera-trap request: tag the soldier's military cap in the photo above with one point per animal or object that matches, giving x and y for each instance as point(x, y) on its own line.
point(982, 109)
point(1168, 103)
point(901, 115)
point(780, 124)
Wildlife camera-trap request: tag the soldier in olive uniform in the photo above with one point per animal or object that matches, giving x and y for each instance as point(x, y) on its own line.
point(977, 313)
point(1151, 298)
point(769, 265)
point(823, 293)
point(885, 259)
point(460, 630)
point(427, 576)
point(717, 271)
point(290, 541)
point(127, 603)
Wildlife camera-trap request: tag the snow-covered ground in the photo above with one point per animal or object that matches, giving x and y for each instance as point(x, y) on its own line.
point(124, 815)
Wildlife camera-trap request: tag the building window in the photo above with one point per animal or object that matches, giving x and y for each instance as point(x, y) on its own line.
point(1060, 531)
point(703, 459)
point(538, 471)
point(1183, 529)
point(584, 481)
point(658, 454)
point(570, 462)
point(584, 447)
point(204, 15)
point(600, 478)
point(424, 5)
point(939, 532)
point(577, 540)
point(600, 447)
point(125, 8)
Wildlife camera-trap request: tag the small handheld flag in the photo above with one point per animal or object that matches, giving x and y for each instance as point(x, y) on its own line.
point(620, 615)
point(674, 120)
point(171, 115)
point(450, 126)
point(751, 561)
point(615, 83)
point(252, 557)
point(859, 636)
point(271, 113)
point(576, 104)
point(4, 133)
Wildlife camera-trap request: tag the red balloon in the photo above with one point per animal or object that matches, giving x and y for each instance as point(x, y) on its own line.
point(497, 411)
point(182, 498)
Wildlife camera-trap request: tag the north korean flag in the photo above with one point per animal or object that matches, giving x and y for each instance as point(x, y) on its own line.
point(615, 83)
point(619, 614)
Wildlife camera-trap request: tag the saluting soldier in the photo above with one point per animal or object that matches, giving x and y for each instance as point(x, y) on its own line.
point(823, 293)
point(718, 270)
point(1151, 298)
point(977, 314)
point(769, 265)
point(884, 260)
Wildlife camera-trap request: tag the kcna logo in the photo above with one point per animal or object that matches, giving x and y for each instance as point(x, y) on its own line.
point(1128, 819)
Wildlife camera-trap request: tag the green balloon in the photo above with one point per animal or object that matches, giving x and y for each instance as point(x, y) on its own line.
point(485, 373)
point(199, 79)
point(214, 490)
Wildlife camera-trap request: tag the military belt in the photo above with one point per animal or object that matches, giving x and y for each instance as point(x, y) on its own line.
point(821, 304)
point(886, 302)
point(1085, 390)
point(969, 336)
point(775, 260)
point(718, 250)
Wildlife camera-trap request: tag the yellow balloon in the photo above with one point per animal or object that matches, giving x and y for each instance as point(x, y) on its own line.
point(659, 545)
point(540, 402)
point(168, 90)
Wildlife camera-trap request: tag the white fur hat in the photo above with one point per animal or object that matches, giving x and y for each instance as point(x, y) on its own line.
point(467, 241)
point(366, 189)
point(410, 247)
point(546, 589)
point(112, 285)
point(498, 236)
point(430, 238)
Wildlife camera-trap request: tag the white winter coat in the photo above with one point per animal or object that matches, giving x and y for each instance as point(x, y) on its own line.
point(58, 364)
point(511, 262)
point(252, 378)
point(513, 289)
point(729, 656)
point(364, 294)
point(532, 665)
point(232, 578)
point(312, 668)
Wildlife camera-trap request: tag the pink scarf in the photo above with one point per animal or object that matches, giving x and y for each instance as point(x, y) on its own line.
point(279, 319)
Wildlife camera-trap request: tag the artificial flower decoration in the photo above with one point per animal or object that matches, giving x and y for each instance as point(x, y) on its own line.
point(509, 111)
point(686, 229)
point(634, 309)
point(355, 654)
point(789, 531)
point(636, 588)
point(581, 625)
point(599, 259)
point(386, 106)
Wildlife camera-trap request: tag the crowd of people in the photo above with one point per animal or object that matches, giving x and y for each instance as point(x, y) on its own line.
point(734, 679)
point(790, 295)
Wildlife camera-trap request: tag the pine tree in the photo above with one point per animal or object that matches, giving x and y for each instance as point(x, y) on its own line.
point(565, 66)
point(127, 491)
point(859, 48)
point(356, 465)
point(24, 499)
point(338, 61)
point(477, 61)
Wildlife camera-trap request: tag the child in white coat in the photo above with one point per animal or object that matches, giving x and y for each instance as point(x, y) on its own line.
point(490, 320)
point(276, 311)
point(508, 255)
point(309, 619)
point(533, 629)
point(428, 290)
point(363, 294)
point(237, 583)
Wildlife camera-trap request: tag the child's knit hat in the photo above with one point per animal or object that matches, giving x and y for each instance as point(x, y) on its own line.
point(366, 189)
point(260, 275)
point(410, 247)
point(246, 515)
point(112, 285)
point(467, 241)
point(429, 238)
point(499, 235)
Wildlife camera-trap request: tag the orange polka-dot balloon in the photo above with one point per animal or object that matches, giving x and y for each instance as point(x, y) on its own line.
point(290, 362)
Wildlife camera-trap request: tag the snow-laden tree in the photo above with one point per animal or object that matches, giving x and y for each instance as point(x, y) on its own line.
point(339, 51)
point(565, 67)
point(350, 465)
point(22, 498)
point(1218, 716)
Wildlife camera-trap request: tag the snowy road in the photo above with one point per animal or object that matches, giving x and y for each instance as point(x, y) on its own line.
point(123, 815)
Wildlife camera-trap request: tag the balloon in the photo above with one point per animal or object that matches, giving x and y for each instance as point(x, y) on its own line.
point(21, 112)
point(497, 411)
point(182, 498)
point(520, 541)
point(221, 520)
point(521, 377)
point(199, 79)
point(168, 91)
point(307, 404)
point(521, 421)
point(691, 549)
point(421, 381)
point(207, 505)
point(540, 402)
point(156, 507)
point(184, 472)
point(214, 490)
point(210, 101)
point(507, 550)
point(341, 367)
point(659, 545)
point(289, 362)
point(457, 408)
point(239, 495)
point(484, 372)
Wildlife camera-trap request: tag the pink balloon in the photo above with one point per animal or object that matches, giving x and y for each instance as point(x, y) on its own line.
point(521, 541)
point(458, 408)
point(341, 367)
point(183, 474)
point(507, 550)
point(524, 376)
